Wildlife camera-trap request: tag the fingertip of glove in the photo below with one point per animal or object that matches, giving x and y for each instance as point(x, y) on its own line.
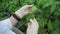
point(29, 6)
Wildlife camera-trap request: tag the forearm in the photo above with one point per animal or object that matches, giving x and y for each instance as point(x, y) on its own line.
point(9, 22)
point(25, 10)
point(13, 20)
point(6, 23)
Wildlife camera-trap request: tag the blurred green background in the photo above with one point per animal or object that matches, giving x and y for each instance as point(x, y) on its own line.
point(47, 13)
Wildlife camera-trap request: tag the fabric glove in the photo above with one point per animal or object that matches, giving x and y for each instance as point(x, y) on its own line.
point(25, 10)
point(32, 27)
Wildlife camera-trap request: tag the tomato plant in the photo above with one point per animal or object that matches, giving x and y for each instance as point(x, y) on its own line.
point(47, 13)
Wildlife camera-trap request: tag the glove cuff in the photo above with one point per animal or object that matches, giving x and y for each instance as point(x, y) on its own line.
point(16, 17)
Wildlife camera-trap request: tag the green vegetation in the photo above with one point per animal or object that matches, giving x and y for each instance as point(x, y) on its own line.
point(47, 13)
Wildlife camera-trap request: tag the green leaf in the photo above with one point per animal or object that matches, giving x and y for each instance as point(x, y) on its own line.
point(31, 16)
point(34, 8)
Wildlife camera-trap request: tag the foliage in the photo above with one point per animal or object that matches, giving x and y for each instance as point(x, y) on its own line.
point(47, 13)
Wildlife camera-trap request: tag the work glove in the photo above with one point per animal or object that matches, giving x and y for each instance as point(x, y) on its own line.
point(25, 10)
point(32, 27)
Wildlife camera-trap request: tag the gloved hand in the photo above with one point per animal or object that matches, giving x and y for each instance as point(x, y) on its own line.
point(25, 10)
point(32, 27)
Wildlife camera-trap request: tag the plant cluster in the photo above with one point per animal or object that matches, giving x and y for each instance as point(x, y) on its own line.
point(47, 13)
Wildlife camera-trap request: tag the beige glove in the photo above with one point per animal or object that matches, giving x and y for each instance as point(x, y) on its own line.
point(25, 10)
point(32, 27)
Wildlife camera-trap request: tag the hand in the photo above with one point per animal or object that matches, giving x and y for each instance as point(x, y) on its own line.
point(32, 27)
point(25, 10)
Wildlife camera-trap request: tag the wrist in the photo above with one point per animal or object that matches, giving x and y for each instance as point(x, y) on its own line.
point(19, 15)
point(13, 20)
point(16, 17)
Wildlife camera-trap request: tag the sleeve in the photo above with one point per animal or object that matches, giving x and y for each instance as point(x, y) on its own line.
point(9, 32)
point(6, 27)
point(7, 23)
